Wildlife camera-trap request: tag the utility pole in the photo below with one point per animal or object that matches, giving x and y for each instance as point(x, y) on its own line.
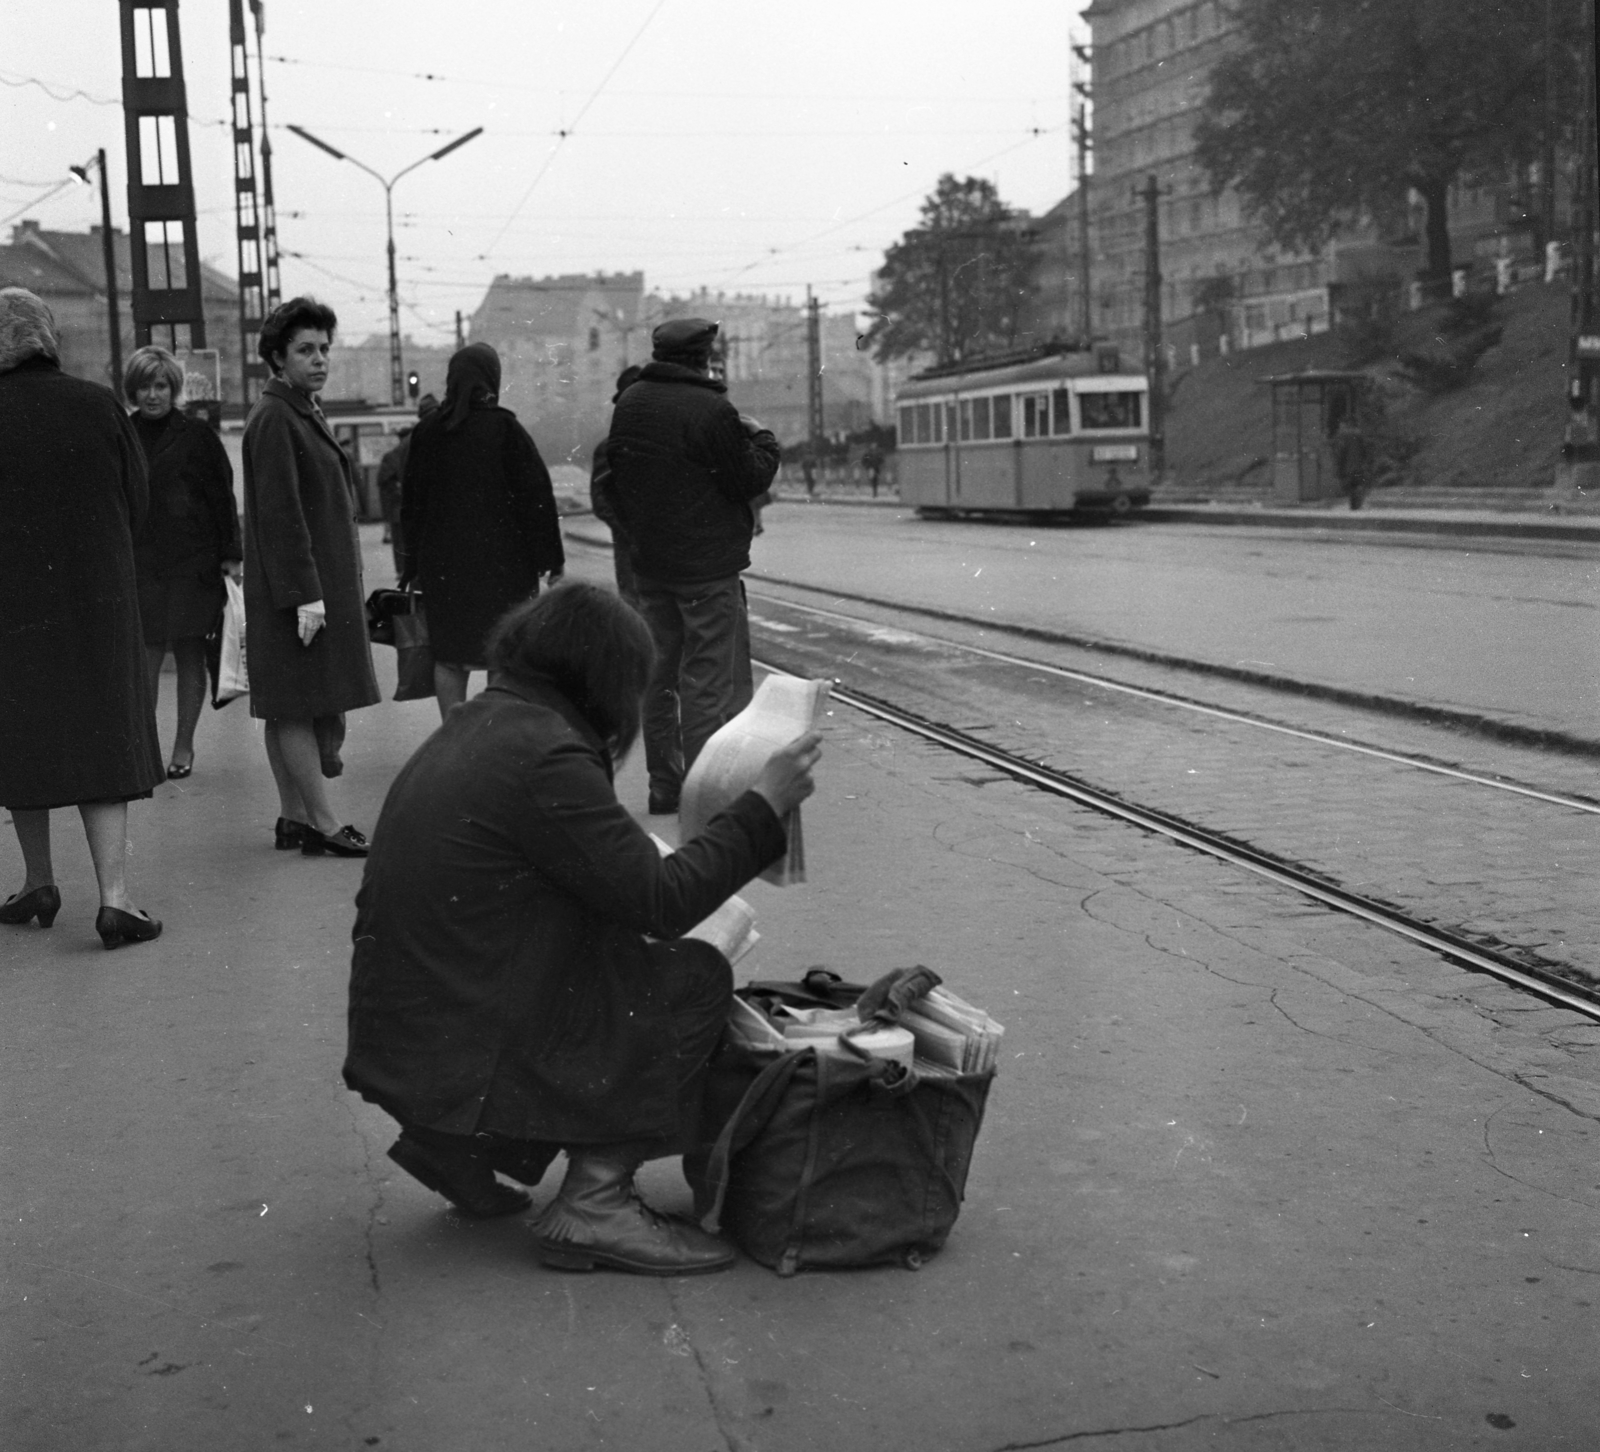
point(1155, 360)
point(269, 209)
point(1584, 353)
point(461, 337)
point(814, 419)
point(1080, 131)
point(108, 253)
point(247, 219)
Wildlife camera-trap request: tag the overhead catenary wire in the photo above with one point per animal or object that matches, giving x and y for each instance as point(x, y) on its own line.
point(572, 126)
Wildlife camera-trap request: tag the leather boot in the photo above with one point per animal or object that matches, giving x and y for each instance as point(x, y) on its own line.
point(598, 1219)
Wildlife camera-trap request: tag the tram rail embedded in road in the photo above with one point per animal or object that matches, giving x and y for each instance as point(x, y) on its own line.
point(1543, 983)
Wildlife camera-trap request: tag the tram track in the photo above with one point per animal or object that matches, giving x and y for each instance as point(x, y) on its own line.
point(1544, 983)
point(1335, 833)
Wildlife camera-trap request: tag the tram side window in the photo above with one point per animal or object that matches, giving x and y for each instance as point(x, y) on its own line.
point(1110, 410)
point(1002, 416)
point(937, 410)
point(980, 418)
point(924, 425)
point(965, 407)
point(1063, 411)
point(908, 433)
point(1035, 415)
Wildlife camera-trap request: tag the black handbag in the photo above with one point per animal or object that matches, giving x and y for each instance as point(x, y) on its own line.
point(382, 607)
point(812, 1159)
point(396, 617)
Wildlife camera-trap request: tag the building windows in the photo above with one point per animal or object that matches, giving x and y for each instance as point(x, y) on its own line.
point(158, 151)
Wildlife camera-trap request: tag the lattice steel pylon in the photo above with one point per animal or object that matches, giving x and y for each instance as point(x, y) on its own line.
point(269, 209)
point(253, 371)
point(163, 243)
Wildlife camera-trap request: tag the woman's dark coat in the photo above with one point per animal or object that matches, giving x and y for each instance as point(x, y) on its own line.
point(501, 981)
point(193, 522)
point(300, 545)
point(478, 518)
point(76, 720)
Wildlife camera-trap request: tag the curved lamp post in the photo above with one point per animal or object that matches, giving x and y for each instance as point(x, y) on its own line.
point(108, 247)
point(396, 378)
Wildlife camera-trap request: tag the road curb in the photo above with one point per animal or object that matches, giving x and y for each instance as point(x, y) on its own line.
point(1375, 522)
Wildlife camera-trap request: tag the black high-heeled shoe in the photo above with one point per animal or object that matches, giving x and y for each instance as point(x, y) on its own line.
point(117, 927)
point(42, 903)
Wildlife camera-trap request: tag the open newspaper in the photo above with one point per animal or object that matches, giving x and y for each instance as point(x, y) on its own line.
point(728, 765)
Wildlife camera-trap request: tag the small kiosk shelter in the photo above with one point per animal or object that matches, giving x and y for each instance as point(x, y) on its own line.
point(1307, 409)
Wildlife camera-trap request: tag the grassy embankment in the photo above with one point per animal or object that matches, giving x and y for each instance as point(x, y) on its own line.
point(1500, 431)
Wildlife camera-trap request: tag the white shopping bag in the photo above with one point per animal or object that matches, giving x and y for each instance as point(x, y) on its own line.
point(232, 677)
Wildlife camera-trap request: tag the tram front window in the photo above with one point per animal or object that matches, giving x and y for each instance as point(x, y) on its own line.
point(1110, 410)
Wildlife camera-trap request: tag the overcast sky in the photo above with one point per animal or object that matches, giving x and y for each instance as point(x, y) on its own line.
point(734, 144)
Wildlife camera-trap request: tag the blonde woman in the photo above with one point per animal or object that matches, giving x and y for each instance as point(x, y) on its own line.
point(189, 540)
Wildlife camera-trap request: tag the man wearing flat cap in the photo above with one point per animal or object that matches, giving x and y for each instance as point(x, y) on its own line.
point(685, 465)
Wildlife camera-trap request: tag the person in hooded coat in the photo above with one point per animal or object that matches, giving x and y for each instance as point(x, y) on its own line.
point(478, 518)
point(77, 723)
point(506, 999)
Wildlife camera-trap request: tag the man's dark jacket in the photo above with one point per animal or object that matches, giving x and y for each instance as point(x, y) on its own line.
point(683, 472)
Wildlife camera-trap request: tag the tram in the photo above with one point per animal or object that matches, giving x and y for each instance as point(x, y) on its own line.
point(1052, 431)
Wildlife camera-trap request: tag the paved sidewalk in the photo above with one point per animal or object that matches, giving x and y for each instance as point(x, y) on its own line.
point(1254, 1177)
point(1377, 516)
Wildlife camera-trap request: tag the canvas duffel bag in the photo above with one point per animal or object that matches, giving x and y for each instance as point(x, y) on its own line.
point(813, 1159)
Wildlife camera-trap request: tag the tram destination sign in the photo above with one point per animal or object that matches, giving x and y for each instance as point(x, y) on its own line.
point(1115, 454)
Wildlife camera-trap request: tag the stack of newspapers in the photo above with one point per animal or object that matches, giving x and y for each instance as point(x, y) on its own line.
point(952, 1036)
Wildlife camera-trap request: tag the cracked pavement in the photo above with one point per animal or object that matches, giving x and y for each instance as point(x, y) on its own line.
point(1254, 1175)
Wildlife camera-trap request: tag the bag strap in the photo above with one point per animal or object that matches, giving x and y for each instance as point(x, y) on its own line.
point(755, 1109)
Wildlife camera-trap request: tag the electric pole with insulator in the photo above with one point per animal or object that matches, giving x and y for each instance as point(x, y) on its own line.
point(1080, 132)
point(814, 419)
point(1155, 360)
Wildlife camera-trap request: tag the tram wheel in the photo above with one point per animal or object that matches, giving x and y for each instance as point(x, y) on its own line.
point(1122, 506)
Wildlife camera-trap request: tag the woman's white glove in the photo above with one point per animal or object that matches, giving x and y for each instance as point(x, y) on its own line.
point(311, 619)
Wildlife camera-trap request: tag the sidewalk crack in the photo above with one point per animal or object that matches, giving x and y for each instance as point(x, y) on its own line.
point(1222, 1417)
point(731, 1441)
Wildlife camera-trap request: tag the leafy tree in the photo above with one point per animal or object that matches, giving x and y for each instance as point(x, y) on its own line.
point(1330, 109)
point(954, 285)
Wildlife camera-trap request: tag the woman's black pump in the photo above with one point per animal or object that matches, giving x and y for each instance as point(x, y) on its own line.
point(42, 903)
point(117, 927)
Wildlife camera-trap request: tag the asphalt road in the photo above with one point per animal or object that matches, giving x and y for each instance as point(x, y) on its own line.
point(1254, 1176)
point(1508, 629)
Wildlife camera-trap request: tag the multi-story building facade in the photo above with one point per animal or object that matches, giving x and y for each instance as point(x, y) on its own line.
point(359, 372)
point(766, 360)
point(562, 341)
point(1224, 283)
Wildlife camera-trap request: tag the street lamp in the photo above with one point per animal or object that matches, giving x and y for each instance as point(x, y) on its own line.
point(396, 380)
point(108, 248)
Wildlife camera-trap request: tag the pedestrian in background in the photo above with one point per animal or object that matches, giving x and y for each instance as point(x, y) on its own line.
point(685, 466)
point(602, 499)
point(1352, 458)
point(77, 724)
point(478, 516)
point(391, 471)
point(305, 620)
point(189, 540)
point(519, 983)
